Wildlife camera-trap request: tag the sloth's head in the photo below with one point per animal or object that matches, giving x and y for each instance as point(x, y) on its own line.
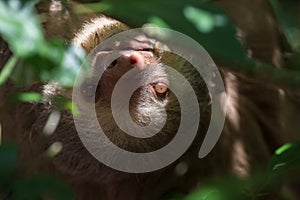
point(139, 80)
point(152, 103)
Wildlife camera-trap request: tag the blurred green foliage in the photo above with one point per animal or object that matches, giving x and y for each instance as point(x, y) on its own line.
point(204, 22)
point(288, 14)
point(26, 97)
point(283, 163)
point(41, 60)
point(14, 186)
point(8, 164)
point(41, 186)
point(285, 159)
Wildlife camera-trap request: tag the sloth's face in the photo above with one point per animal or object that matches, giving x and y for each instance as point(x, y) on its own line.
point(150, 102)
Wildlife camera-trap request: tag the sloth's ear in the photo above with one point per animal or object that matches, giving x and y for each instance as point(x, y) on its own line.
point(96, 31)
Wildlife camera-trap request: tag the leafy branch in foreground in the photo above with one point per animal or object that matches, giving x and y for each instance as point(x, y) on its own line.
point(40, 59)
point(282, 164)
point(14, 185)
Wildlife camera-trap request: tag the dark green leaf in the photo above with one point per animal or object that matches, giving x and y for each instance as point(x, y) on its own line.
point(226, 189)
point(286, 158)
point(204, 22)
point(8, 163)
point(41, 186)
point(287, 13)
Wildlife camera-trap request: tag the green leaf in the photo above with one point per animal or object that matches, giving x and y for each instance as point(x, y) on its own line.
point(40, 60)
point(26, 97)
point(287, 13)
point(20, 26)
point(206, 193)
point(8, 163)
point(156, 21)
point(229, 188)
point(7, 69)
point(41, 186)
point(283, 149)
point(285, 159)
point(71, 64)
point(207, 22)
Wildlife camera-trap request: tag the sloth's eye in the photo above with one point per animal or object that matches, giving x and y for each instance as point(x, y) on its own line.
point(147, 49)
point(161, 89)
point(114, 63)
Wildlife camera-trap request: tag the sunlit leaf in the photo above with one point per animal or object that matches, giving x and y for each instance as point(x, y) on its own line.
point(7, 69)
point(20, 26)
point(70, 66)
point(156, 21)
point(202, 19)
point(40, 60)
point(26, 97)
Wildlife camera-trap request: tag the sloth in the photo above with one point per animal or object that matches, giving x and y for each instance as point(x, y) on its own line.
point(246, 143)
point(148, 103)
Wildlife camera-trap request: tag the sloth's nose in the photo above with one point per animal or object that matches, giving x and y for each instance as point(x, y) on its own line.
point(133, 59)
